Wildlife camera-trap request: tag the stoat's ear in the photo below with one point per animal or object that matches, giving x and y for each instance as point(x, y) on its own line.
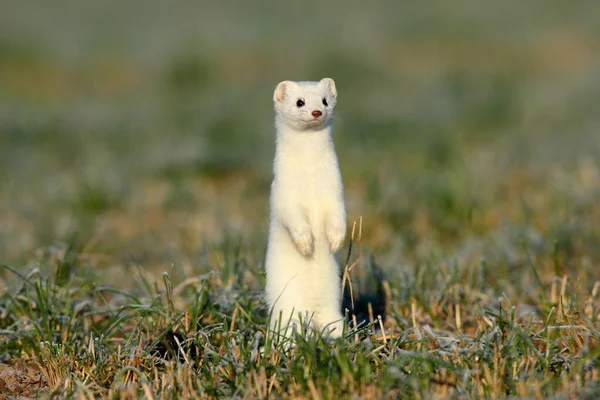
point(330, 85)
point(281, 91)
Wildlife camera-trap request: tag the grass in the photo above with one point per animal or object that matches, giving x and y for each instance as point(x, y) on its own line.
point(206, 336)
point(135, 165)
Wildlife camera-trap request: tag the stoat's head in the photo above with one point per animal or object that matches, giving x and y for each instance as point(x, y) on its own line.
point(305, 105)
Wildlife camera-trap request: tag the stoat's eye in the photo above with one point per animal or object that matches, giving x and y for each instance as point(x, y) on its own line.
point(300, 103)
point(325, 102)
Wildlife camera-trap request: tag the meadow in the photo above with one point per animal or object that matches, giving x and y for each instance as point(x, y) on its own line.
point(136, 142)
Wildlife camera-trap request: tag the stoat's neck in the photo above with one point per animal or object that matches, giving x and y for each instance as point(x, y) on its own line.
point(309, 146)
point(287, 136)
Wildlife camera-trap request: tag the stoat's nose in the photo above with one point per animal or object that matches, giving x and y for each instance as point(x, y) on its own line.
point(317, 114)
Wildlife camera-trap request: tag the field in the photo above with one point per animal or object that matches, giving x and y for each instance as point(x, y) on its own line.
point(136, 141)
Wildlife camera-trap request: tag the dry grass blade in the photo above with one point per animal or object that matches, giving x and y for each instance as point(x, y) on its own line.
point(354, 242)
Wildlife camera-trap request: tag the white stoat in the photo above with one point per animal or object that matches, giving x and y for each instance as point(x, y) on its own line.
point(308, 216)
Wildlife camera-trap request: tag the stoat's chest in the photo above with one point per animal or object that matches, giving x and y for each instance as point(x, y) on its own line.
point(308, 169)
point(313, 183)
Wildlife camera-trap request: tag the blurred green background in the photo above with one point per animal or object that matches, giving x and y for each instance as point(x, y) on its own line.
point(143, 130)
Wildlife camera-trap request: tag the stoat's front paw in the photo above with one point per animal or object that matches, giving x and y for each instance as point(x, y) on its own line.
point(304, 242)
point(335, 236)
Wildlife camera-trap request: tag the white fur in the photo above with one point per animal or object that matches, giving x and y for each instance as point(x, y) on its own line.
point(308, 216)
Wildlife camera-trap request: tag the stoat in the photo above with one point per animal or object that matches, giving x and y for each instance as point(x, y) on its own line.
point(307, 214)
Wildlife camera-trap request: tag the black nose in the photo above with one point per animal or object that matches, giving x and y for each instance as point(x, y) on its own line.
point(317, 113)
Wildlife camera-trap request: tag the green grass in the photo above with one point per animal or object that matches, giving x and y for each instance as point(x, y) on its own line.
point(135, 162)
point(444, 335)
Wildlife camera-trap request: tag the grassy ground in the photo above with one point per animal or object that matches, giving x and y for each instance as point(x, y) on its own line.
point(135, 151)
